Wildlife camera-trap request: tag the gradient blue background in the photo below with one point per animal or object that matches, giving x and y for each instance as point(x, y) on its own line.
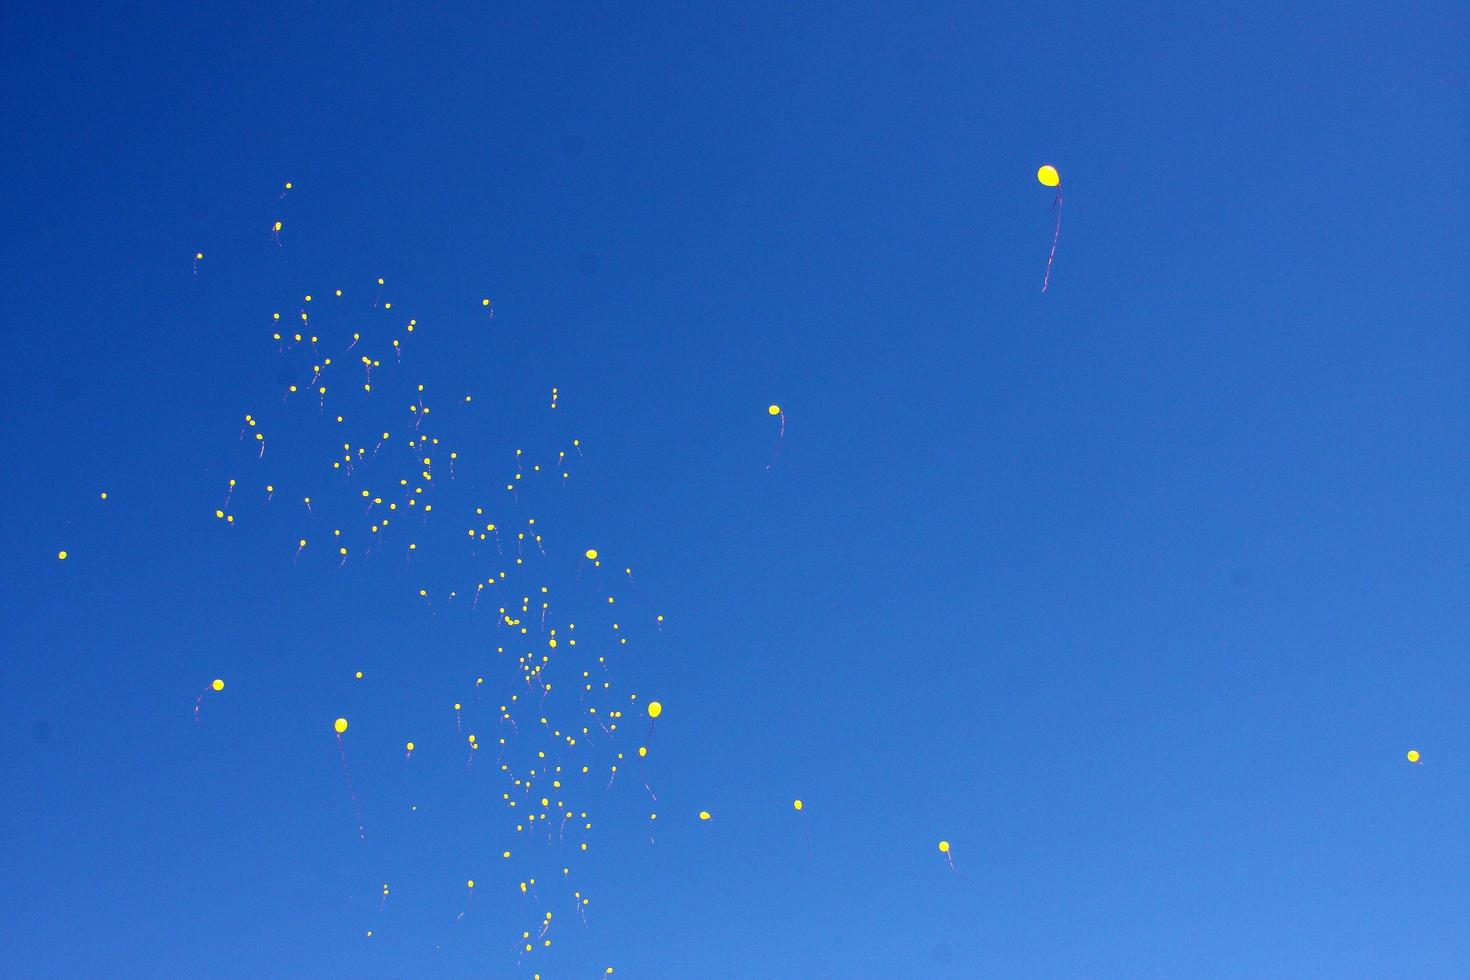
point(1137, 592)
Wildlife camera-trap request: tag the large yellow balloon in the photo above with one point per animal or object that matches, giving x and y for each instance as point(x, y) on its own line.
point(592, 554)
point(774, 410)
point(340, 725)
point(1048, 175)
point(1413, 755)
point(655, 709)
point(944, 847)
point(218, 684)
point(704, 814)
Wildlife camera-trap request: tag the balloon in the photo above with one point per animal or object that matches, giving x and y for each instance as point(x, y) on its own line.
point(1413, 755)
point(592, 554)
point(774, 410)
point(704, 814)
point(1048, 176)
point(796, 804)
point(944, 847)
point(61, 555)
point(218, 684)
point(655, 709)
point(340, 725)
point(409, 746)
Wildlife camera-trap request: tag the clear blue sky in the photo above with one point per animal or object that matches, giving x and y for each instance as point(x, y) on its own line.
point(1137, 592)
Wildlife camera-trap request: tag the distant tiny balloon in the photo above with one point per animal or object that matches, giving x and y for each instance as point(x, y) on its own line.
point(340, 725)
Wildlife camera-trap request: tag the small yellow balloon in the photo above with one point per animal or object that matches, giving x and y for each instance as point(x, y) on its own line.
point(410, 746)
point(774, 410)
point(471, 883)
point(218, 684)
point(340, 725)
point(1048, 175)
point(1413, 755)
point(643, 751)
point(592, 554)
point(61, 556)
point(655, 709)
point(944, 847)
point(359, 675)
point(796, 804)
point(704, 814)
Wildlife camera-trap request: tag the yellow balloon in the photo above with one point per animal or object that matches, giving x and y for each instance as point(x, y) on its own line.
point(704, 814)
point(592, 554)
point(1048, 175)
point(340, 725)
point(643, 751)
point(655, 709)
point(774, 410)
point(944, 847)
point(1413, 755)
point(796, 804)
point(218, 684)
point(410, 746)
point(471, 883)
point(61, 555)
point(359, 675)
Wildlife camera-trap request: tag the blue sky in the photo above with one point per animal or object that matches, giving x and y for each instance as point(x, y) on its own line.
point(1137, 592)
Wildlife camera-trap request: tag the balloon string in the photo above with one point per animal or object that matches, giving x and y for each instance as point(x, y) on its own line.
point(780, 437)
point(356, 810)
point(1055, 236)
